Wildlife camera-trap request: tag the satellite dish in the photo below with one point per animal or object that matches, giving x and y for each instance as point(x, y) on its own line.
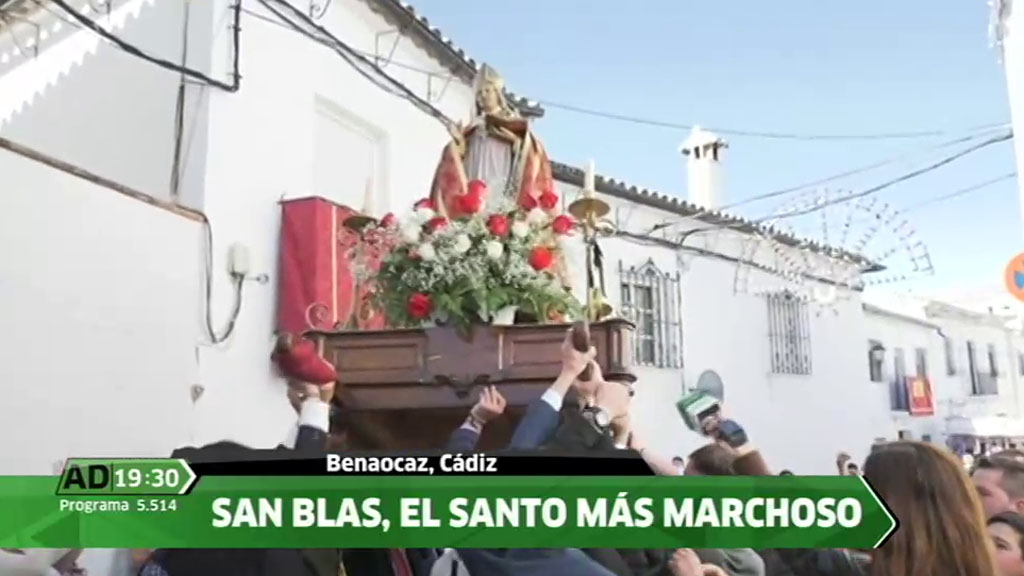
point(710, 383)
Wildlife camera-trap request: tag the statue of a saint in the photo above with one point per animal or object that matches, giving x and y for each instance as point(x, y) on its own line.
point(496, 147)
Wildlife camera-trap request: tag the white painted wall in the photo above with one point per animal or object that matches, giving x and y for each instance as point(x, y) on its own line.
point(900, 326)
point(303, 119)
point(982, 330)
point(114, 114)
point(727, 332)
point(894, 331)
point(100, 300)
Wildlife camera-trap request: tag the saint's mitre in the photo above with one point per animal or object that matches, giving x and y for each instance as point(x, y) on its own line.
point(488, 75)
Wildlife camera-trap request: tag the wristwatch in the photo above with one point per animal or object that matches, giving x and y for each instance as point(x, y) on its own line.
point(598, 418)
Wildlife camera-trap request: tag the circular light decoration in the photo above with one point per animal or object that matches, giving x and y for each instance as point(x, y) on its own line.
point(843, 244)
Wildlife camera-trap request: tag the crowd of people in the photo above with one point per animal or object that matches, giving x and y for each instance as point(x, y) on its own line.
point(952, 521)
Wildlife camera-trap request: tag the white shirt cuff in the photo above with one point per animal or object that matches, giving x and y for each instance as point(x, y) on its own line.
point(553, 398)
point(315, 414)
point(620, 446)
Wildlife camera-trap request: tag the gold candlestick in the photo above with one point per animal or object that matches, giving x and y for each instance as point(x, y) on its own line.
point(591, 213)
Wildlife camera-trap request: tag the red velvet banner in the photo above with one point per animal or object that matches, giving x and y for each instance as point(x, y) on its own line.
point(317, 270)
point(920, 394)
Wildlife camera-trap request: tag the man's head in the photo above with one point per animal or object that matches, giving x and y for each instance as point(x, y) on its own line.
point(1012, 454)
point(710, 460)
point(1000, 484)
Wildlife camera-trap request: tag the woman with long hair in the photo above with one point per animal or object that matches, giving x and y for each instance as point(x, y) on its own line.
point(942, 526)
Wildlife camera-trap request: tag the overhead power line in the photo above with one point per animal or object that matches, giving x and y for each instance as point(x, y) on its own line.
point(681, 126)
point(874, 189)
point(303, 24)
point(859, 170)
point(957, 193)
point(754, 133)
point(840, 200)
point(114, 39)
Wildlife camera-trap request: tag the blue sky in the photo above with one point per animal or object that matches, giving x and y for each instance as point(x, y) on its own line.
point(795, 66)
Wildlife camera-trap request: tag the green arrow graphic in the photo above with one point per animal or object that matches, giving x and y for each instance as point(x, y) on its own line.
point(894, 522)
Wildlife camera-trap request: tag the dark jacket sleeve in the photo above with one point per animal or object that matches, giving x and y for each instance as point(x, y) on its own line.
point(537, 426)
point(310, 439)
point(462, 440)
point(576, 434)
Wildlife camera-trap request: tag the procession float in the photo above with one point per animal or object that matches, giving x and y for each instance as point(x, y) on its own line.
point(411, 315)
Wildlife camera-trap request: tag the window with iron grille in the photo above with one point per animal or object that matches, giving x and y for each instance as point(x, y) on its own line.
point(876, 355)
point(652, 300)
point(950, 355)
point(899, 399)
point(921, 362)
point(983, 383)
point(789, 334)
point(993, 363)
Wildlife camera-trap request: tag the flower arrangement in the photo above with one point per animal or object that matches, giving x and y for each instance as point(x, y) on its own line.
point(464, 269)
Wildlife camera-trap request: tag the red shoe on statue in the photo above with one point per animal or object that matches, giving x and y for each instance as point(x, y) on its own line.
point(299, 359)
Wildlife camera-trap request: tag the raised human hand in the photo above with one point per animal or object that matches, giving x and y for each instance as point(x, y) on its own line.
point(574, 361)
point(490, 406)
point(684, 562)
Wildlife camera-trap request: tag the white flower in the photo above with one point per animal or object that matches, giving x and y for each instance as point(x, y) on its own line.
point(520, 229)
point(495, 249)
point(462, 244)
point(427, 252)
point(411, 233)
point(536, 217)
point(423, 214)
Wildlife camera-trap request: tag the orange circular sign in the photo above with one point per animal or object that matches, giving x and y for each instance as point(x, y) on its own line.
point(1014, 277)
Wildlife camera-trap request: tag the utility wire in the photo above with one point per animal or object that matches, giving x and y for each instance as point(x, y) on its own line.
point(354, 58)
point(751, 133)
point(679, 126)
point(166, 64)
point(820, 206)
point(856, 171)
point(961, 192)
point(908, 176)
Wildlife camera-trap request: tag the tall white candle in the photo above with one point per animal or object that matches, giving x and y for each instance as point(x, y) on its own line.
point(588, 177)
point(368, 207)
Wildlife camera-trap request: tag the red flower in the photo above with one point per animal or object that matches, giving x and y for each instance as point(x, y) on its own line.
point(424, 203)
point(562, 225)
point(476, 188)
point(419, 306)
point(541, 258)
point(436, 223)
point(529, 202)
point(548, 200)
point(471, 203)
point(388, 221)
point(498, 224)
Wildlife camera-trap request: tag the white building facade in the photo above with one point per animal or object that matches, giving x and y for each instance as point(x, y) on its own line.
point(109, 292)
point(973, 361)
